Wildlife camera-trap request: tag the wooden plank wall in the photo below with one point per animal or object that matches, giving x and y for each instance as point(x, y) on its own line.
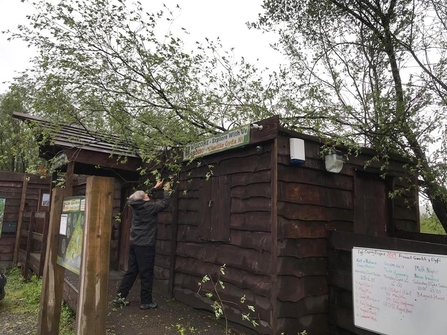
point(247, 255)
point(163, 246)
point(11, 189)
point(312, 202)
point(340, 273)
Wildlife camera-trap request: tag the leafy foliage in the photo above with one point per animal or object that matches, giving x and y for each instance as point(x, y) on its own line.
point(369, 73)
point(430, 224)
point(219, 305)
point(19, 151)
point(111, 67)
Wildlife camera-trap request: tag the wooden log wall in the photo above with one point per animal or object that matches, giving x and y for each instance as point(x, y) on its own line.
point(340, 244)
point(11, 185)
point(247, 253)
point(164, 255)
point(312, 202)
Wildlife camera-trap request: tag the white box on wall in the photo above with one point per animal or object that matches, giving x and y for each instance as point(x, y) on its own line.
point(297, 151)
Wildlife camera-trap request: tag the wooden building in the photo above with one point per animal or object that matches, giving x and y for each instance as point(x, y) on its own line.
point(268, 220)
point(252, 208)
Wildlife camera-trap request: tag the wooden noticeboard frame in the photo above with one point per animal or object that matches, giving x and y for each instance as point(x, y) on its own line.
point(398, 292)
point(94, 270)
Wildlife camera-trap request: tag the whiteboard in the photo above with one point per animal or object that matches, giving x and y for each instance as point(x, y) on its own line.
point(398, 292)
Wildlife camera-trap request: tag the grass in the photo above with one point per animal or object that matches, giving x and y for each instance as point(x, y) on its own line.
point(430, 224)
point(23, 298)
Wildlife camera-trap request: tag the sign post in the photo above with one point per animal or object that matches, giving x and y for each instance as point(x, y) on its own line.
point(79, 240)
point(94, 273)
point(53, 274)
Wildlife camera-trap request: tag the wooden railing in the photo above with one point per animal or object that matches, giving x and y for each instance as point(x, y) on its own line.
point(32, 257)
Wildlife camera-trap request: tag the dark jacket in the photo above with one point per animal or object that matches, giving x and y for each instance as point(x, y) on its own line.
point(144, 226)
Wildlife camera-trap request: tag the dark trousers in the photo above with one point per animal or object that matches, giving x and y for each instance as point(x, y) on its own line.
point(141, 262)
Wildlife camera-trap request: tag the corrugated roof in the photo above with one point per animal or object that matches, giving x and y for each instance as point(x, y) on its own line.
point(71, 136)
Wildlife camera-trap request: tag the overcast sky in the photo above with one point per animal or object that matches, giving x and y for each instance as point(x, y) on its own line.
point(202, 18)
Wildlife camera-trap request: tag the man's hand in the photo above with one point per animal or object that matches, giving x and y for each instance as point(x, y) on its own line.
point(158, 184)
point(167, 186)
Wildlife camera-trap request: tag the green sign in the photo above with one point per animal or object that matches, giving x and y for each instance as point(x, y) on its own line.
point(71, 233)
point(2, 213)
point(229, 140)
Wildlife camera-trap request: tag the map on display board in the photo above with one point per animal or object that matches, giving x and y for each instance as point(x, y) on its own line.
point(398, 292)
point(71, 233)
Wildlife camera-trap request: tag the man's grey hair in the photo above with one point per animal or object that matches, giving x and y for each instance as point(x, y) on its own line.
point(137, 195)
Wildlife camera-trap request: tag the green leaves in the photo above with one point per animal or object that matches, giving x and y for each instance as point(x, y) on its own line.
point(114, 68)
point(18, 149)
point(215, 290)
point(368, 73)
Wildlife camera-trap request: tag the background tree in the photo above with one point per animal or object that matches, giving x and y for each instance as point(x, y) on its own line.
point(430, 224)
point(19, 151)
point(114, 68)
point(370, 73)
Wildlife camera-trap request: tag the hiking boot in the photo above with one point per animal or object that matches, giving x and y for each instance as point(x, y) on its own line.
point(151, 305)
point(121, 301)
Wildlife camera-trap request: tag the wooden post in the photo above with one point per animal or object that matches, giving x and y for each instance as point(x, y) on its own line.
point(19, 223)
point(274, 234)
point(43, 250)
point(69, 176)
point(173, 256)
point(29, 245)
point(94, 273)
point(53, 274)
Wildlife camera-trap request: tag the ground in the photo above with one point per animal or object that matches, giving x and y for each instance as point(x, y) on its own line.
point(171, 317)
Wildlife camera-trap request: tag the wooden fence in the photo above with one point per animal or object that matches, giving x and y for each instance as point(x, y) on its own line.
point(24, 195)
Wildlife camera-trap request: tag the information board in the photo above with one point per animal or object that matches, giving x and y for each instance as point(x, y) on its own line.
point(71, 233)
point(399, 292)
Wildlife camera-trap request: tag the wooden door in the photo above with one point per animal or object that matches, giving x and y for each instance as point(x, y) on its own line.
point(371, 205)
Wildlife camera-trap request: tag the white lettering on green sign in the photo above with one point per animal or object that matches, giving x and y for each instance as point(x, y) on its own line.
point(229, 140)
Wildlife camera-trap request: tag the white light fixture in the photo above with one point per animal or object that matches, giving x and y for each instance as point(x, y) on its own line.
point(256, 126)
point(333, 161)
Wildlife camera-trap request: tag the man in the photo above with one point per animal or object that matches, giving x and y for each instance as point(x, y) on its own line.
point(143, 236)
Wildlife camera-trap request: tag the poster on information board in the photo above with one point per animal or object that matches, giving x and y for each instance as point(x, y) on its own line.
point(396, 292)
point(71, 233)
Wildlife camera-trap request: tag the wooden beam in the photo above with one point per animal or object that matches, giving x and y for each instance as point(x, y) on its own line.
point(29, 245)
point(274, 236)
point(53, 274)
point(173, 255)
point(69, 175)
point(269, 131)
point(20, 220)
point(94, 274)
point(43, 250)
